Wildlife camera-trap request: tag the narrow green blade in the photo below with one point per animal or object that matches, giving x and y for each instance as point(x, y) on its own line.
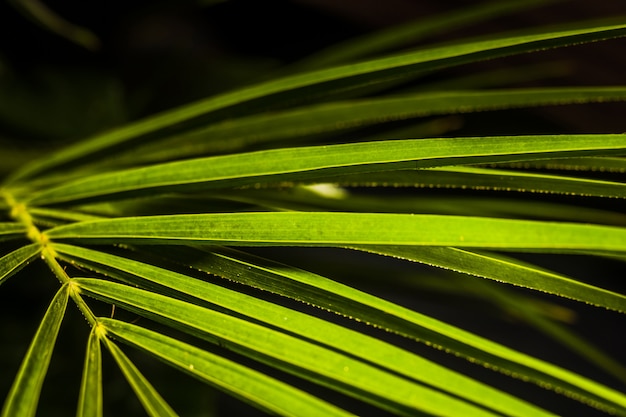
point(251, 386)
point(24, 394)
point(366, 72)
point(151, 400)
point(595, 164)
point(365, 381)
point(505, 269)
point(488, 179)
point(90, 397)
point(18, 259)
point(9, 230)
point(327, 161)
point(343, 229)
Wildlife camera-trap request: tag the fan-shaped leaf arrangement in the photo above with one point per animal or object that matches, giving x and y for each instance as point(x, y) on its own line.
point(163, 218)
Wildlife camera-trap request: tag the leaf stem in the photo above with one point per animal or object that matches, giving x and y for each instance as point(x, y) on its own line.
point(19, 213)
point(49, 256)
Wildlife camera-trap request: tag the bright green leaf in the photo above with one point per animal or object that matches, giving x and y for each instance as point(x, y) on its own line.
point(295, 355)
point(508, 270)
point(18, 259)
point(151, 400)
point(23, 397)
point(254, 387)
point(312, 328)
point(90, 397)
point(341, 229)
point(333, 296)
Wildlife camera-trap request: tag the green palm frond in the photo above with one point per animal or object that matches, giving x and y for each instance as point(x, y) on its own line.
point(264, 241)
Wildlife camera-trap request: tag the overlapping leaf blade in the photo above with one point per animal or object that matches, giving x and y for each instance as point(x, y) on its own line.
point(546, 321)
point(293, 354)
point(322, 162)
point(488, 179)
point(331, 197)
point(505, 269)
point(615, 164)
point(235, 134)
point(254, 387)
point(306, 326)
point(149, 397)
point(325, 293)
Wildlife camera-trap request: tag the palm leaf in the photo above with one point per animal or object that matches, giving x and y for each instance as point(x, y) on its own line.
point(255, 387)
point(314, 161)
point(320, 162)
point(151, 400)
point(505, 269)
point(24, 395)
point(325, 366)
point(90, 398)
point(341, 229)
point(274, 315)
point(319, 291)
point(16, 260)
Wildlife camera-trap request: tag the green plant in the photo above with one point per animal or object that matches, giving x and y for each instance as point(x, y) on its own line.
point(137, 216)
